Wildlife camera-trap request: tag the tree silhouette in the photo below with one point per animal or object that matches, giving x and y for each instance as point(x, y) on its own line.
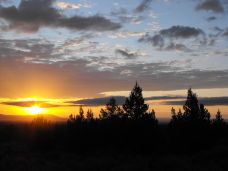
point(89, 115)
point(176, 117)
point(191, 107)
point(81, 113)
point(173, 115)
point(134, 105)
point(204, 114)
point(151, 116)
point(218, 121)
point(179, 115)
point(112, 110)
point(73, 119)
point(81, 116)
point(194, 112)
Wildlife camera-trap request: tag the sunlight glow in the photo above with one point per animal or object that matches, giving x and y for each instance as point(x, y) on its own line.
point(35, 110)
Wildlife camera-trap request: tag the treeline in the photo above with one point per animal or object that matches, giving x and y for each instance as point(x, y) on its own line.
point(135, 109)
point(127, 128)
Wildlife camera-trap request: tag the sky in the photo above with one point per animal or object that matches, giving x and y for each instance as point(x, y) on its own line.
point(68, 50)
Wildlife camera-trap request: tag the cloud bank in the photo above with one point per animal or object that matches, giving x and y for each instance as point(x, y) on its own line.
point(30, 15)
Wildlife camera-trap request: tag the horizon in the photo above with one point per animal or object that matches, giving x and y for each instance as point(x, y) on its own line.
point(59, 54)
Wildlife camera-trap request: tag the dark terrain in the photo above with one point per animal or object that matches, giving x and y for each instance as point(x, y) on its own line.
point(127, 137)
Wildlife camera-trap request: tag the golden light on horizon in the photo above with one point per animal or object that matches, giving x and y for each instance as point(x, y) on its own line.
point(35, 110)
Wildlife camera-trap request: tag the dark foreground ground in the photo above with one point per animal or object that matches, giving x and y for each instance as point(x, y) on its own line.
point(133, 146)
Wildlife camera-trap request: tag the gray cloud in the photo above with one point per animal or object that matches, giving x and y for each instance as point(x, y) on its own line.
point(119, 100)
point(144, 5)
point(33, 14)
point(172, 34)
point(181, 32)
point(225, 32)
point(179, 47)
point(126, 53)
point(209, 101)
point(211, 5)
point(98, 101)
point(167, 100)
point(212, 18)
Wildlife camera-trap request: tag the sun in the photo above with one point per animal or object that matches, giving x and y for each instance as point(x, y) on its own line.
point(35, 110)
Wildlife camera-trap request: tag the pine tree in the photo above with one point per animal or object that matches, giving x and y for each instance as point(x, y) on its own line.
point(191, 107)
point(204, 114)
point(112, 110)
point(218, 121)
point(134, 105)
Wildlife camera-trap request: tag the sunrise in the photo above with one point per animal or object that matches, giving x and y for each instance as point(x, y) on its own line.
point(113, 85)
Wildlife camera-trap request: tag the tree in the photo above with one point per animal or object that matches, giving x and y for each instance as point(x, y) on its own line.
point(89, 115)
point(218, 121)
point(112, 110)
point(71, 119)
point(151, 116)
point(179, 115)
point(173, 115)
point(194, 111)
point(191, 107)
point(134, 105)
point(40, 122)
point(81, 116)
point(176, 117)
point(204, 114)
point(76, 118)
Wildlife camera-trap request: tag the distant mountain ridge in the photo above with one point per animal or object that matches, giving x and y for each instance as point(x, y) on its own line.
point(29, 118)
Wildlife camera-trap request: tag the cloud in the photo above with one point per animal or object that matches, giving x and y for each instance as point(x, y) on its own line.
point(212, 18)
point(33, 14)
point(144, 5)
point(167, 39)
point(119, 100)
point(165, 100)
point(209, 101)
point(178, 47)
point(4, 1)
point(66, 5)
point(42, 104)
point(126, 34)
point(181, 32)
point(225, 32)
point(96, 22)
point(211, 5)
point(30, 68)
point(98, 101)
point(126, 17)
point(129, 54)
